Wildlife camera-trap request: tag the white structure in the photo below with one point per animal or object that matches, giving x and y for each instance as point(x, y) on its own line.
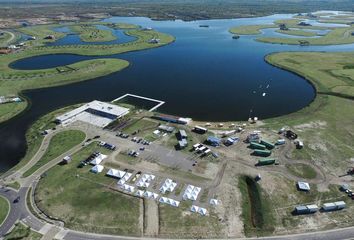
point(115, 173)
point(97, 169)
point(96, 113)
point(191, 193)
point(304, 186)
point(139, 193)
point(214, 202)
point(169, 201)
point(128, 188)
point(124, 179)
point(200, 210)
point(151, 195)
point(168, 186)
point(145, 180)
point(333, 206)
point(97, 160)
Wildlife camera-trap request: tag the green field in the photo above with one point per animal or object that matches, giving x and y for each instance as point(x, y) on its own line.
point(10, 110)
point(4, 209)
point(294, 32)
point(59, 144)
point(84, 201)
point(302, 170)
point(14, 81)
point(7, 38)
point(22, 232)
point(326, 124)
point(250, 29)
point(90, 33)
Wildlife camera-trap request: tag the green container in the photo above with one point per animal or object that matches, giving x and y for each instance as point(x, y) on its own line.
point(266, 161)
point(262, 153)
point(255, 145)
point(267, 144)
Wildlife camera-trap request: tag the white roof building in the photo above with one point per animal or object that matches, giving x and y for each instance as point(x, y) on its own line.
point(191, 193)
point(145, 180)
point(97, 160)
point(304, 186)
point(214, 202)
point(139, 193)
point(96, 113)
point(169, 201)
point(97, 169)
point(115, 173)
point(168, 186)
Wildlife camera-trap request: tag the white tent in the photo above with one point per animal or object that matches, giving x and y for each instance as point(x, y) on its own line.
point(97, 169)
point(154, 196)
point(194, 208)
point(214, 202)
point(97, 160)
point(202, 211)
point(191, 193)
point(127, 176)
point(115, 173)
point(128, 188)
point(174, 203)
point(148, 194)
point(139, 193)
point(163, 200)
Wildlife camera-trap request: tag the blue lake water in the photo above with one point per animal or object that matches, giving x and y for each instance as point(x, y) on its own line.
point(204, 74)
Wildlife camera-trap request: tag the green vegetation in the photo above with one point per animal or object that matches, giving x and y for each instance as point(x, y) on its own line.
point(59, 144)
point(257, 211)
point(181, 223)
point(302, 170)
point(337, 36)
point(326, 124)
point(294, 32)
point(22, 232)
point(85, 201)
point(14, 185)
point(4, 209)
point(90, 33)
point(250, 29)
point(7, 38)
point(10, 110)
point(140, 125)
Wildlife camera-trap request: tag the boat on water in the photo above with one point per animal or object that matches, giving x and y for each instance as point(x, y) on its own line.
point(235, 37)
point(204, 25)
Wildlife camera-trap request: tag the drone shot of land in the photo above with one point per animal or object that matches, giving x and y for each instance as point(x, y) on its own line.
point(176, 119)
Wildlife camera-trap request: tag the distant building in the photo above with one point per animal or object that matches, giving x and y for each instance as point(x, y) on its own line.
point(303, 186)
point(182, 134)
point(154, 40)
point(50, 37)
point(166, 128)
point(96, 113)
point(200, 130)
point(172, 119)
point(182, 143)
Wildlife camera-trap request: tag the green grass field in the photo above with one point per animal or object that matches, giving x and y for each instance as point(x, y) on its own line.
point(297, 33)
point(22, 232)
point(326, 125)
point(59, 144)
point(250, 29)
point(302, 170)
point(9, 110)
point(83, 200)
point(4, 209)
point(90, 33)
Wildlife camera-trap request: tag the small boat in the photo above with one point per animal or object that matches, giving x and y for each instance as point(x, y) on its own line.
point(263, 94)
point(204, 25)
point(267, 86)
point(235, 37)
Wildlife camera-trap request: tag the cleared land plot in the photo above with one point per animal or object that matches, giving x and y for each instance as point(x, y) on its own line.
point(22, 232)
point(59, 144)
point(84, 201)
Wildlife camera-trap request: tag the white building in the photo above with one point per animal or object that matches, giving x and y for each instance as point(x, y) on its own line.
point(96, 113)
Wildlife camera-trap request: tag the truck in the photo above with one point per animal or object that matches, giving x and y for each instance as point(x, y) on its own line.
point(262, 153)
point(255, 145)
point(267, 144)
point(266, 161)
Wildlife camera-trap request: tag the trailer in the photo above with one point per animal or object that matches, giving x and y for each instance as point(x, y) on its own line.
point(200, 130)
point(267, 144)
point(262, 153)
point(266, 161)
point(255, 145)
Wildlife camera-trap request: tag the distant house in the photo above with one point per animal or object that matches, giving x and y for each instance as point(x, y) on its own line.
point(283, 27)
point(50, 37)
point(304, 24)
point(303, 186)
point(154, 40)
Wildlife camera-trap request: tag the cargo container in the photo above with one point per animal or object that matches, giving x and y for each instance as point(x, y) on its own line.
point(340, 205)
point(301, 209)
point(263, 153)
point(255, 145)
point(266, 161)
point(312, 208)
point(267, 144)
point(329, 207)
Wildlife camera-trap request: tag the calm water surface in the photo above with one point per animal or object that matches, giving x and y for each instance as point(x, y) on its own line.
point(204, 74)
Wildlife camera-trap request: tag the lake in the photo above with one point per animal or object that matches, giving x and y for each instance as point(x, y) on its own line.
point(204, 74)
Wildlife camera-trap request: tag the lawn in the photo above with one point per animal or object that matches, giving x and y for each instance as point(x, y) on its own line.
point(295, 32)
point(59, 144)
point(22, 232)
point(4, 209)
point(10, 110)
point(181, 223)
point(140, 125)
point(326, 125)
point(90, 33)
point(302, 170)
point(84, 201)
point(250, 29)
